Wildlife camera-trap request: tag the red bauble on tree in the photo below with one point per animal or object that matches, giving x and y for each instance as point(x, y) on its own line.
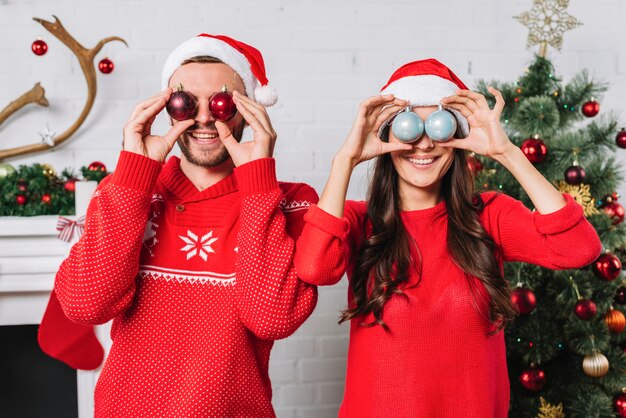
point(20, 199)
point(181, 105)
point(106, 66)
point(22, 185)
point(39, 47)
point(607, 267)
point(612, 208)
point(585, 309)
point(615, 321)
point(222, 106)
point(575, 174)
point(535, 150)
point(620, 295)
point(70, 185)
point(620, 405)
point(620, 139)
point(533, 379)
point(97, 166)
point(591, 108)
point(46, 199)
point(524, 299)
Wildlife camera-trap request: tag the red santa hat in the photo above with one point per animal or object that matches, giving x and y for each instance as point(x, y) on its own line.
point(244, 59)
point(425, 83)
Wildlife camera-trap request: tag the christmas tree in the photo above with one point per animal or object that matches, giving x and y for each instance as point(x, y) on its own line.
point(565, 347)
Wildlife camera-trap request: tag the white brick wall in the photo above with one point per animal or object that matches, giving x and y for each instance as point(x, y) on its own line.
point(324, 57)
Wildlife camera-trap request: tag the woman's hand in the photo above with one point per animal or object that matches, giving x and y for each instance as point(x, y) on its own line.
point(138, 137)
point(363, 143)
point(486, 136)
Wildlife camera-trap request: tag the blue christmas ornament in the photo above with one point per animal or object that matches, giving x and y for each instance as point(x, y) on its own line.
point(407, 126)
point(440, 125)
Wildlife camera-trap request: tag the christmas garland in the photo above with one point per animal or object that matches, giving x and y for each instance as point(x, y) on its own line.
point(37, 189)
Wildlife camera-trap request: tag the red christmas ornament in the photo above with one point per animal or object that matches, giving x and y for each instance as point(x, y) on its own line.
point(20, 199)
point(181, 104)
point(39, 47)
point(615, 321)
point(607, 267)
point(533, 379)
point(620, 405)
point(620, 295)
point(106, 66)
point(46, 198)
point(70, 185)
point(524, 299)
point(585, 309)
point(575, 175)
point(97, 166)
point(591, 108)
point(615, 211)
point(222, 106)
point(535, 150)
point(620, 139)
point(22, 186)
point(474, 164)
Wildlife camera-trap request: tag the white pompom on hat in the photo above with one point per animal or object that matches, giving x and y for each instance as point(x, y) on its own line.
point(244, 59)
point(425, 83)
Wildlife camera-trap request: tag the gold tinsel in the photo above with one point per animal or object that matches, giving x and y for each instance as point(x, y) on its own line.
point(546, 410)
point(581, 194)
point(546, 23)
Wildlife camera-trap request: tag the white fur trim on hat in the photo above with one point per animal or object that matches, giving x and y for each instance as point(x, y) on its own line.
point(216, 48)
point(427, 90)
point(266, 95)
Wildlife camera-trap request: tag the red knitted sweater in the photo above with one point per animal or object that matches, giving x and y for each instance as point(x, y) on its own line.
point(199, 284)
point(437, 360)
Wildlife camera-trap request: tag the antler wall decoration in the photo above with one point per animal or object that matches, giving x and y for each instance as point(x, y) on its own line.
point(37, 93)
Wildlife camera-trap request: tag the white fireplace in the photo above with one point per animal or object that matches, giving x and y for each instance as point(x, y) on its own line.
point(30, 254)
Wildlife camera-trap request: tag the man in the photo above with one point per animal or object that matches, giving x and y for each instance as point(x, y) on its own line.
point(192, 258)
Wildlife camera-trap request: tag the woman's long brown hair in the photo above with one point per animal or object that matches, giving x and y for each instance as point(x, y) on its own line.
point(383, 261)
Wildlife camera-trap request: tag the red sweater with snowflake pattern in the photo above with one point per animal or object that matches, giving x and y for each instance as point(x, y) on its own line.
point(199, 285)
point(438, 359)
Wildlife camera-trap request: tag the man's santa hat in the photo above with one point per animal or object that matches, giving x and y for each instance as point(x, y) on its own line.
point(244, 59)
point(425, 83)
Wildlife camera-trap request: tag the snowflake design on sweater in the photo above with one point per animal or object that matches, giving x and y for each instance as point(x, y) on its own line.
point(198, 246)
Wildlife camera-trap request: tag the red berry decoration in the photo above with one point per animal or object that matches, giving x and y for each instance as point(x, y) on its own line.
point(575, 175)
point(585, 309)
point(97, 166)
point(607, 267)
point(620, 405)
point(620, 295)
point(474, 164)
point(222, 106)
point(535, 150)
point(70, 185)
point(46, 198)
point(106, 66)
point(181, 104)
point(20, 199)
point(524, 299)
point(591, 108)
point(620, 139)
point(39, 47)
point(533, 379)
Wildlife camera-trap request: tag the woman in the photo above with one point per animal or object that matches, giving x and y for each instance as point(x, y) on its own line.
point(427, 299)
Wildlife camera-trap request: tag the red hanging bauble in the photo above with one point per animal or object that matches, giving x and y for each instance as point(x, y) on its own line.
point(620, 139)
point(46, 198)
point(591, 108)
point(585, 309)
point(575, 175)
point(222, 105)
point(70, 185)
point(619, 403)
point(106, 66)
point(615, 321)
point(535, 150)
point(524, 299)
point(22, 186)
point(97, 166)
point(533, 379)
point(474, 164)
point(39, 47)
point(181, 105)
point(620, 295)
point(607, 267)
point(20, 199)
point(615, 211)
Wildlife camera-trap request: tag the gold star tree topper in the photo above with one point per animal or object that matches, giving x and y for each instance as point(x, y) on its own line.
point(546, 23)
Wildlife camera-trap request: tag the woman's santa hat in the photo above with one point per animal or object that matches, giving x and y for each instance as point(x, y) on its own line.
point(425, 83)
point(244, 59)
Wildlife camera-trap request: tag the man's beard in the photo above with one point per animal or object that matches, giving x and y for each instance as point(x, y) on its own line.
point(207, 158)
